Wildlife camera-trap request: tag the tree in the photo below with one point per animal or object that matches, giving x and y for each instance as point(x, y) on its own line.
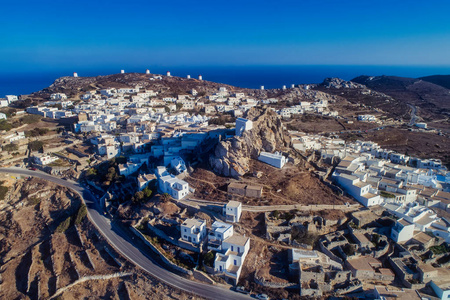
point(5, 125)
point(208, 260)
point(147, 192)
point(111, 174)
point(36, 145)
point(81, 214)
point(138, 196)
point(179, 105)
point(3, 190)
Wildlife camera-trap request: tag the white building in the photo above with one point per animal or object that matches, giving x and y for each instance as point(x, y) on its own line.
point(178, 164)
point(366, 118)
point(15, 136)
point(193, 230)
point(274, 159)
point(43, 159)
point(402, 231)
point(11, 98)
point(173, 186)
point(230, 260)
point(361, 191)
point(441, 286)
point(129, 168)
point(218, 233)
point(232, 211)
point(242, 125)
point(3, 116)
point(144, 180)
point(58, 96)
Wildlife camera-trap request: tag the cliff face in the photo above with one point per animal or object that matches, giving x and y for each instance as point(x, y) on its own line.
point(231, 157)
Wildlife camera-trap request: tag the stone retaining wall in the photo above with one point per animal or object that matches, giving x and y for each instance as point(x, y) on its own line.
point(161, 255)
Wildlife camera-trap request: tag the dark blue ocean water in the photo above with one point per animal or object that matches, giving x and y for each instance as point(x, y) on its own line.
point(242, 76)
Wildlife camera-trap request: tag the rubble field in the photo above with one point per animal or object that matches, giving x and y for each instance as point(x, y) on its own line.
point(289, 185)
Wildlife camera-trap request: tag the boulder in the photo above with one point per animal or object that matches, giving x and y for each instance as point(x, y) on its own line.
point(232, 156)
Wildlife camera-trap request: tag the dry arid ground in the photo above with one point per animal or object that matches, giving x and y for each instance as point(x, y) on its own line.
point(289, 185)
point(38, 262)
point(420, 144)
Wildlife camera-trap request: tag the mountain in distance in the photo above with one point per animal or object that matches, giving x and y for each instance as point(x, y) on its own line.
point(442, 80)
point(432, 100)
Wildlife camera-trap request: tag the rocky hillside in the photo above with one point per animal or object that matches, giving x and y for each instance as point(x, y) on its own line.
point(338, 83)
point(357, 93)
point(231, 157)
point(166, 86)
point(432, 101)
point(442, 80)
point(40, 258)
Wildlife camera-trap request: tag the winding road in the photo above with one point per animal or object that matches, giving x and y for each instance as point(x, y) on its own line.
point(413, 115)
point(123, 243)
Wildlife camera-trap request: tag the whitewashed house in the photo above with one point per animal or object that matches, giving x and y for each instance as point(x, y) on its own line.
point(3, 103)
point(402, 231)
point(193, 230)
point(129, 168)
point(144, 180)
point(178, 164)
point(43, 159)
point(361, 191)
point(242, 125)
point(230, 259)
point(15, 136)
point(11, 98)
point(58, 96)
point(173, 186)
point(218, 233)
point(276, 159)
point(232, 211)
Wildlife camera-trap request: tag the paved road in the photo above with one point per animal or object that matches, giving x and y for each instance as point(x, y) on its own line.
point(123, 243)
point(413, 115)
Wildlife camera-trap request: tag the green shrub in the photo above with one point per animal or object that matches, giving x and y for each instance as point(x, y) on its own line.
point(3, 190)
point(35, 145)
point(34, 200)
point(208, 260)
point(81, 214)
point(386, 194)
point(10, 147)
point(5, 125)
point(64, 225)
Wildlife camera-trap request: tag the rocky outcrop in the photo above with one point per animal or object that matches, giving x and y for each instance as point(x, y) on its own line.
point(338, 83)
point(231, 157)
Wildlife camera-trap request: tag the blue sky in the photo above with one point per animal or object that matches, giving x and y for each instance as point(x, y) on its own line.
point(81, 34)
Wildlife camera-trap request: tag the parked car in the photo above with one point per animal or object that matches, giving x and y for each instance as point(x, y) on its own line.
point(32, 169)
point(262, 297)
point(241, 289)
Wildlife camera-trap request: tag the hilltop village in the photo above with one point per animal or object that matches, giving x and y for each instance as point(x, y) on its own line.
point(223, 186)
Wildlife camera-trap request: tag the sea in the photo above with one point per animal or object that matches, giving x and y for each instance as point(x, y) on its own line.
point(21, 83)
